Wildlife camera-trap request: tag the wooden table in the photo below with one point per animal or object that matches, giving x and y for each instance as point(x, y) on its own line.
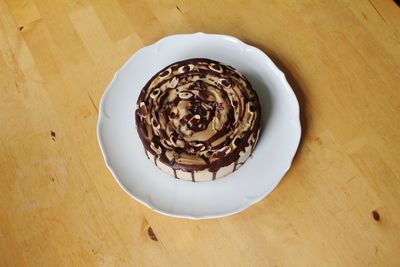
point(339, 205)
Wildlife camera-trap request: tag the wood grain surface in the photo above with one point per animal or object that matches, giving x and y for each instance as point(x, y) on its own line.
point(339, 205)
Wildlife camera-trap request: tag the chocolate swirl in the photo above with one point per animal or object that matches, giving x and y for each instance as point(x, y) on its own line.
point(198, 119)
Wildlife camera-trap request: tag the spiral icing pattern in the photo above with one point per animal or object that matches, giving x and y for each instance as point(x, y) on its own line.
point(198, 119)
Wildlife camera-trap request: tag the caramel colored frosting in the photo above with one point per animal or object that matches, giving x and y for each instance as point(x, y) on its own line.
point(198, 115)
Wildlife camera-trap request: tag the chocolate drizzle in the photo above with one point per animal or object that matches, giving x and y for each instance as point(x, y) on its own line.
point(197, 115)
point(145, 151)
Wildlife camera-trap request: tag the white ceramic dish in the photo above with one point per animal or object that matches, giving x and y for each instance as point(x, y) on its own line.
point(123, 150)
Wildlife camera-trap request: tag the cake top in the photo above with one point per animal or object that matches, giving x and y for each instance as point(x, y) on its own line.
point(198, 114)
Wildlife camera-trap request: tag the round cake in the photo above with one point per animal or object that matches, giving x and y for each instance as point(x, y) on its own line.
point(198, 119)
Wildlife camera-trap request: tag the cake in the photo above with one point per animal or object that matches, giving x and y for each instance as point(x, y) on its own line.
point(198, 119)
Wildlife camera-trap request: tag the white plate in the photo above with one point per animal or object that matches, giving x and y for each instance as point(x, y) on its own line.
point(123, 151)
